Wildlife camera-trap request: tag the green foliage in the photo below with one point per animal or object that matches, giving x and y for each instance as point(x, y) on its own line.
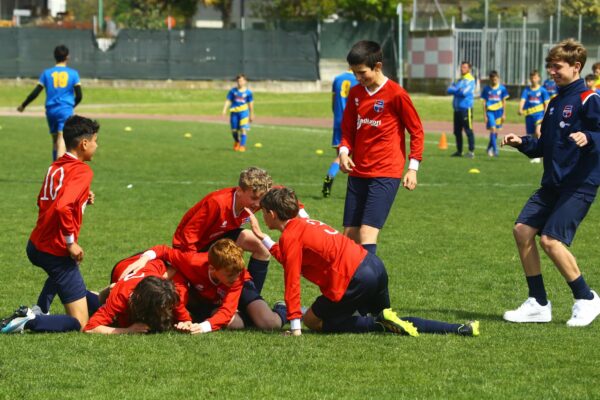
point(152, 14)
point(589, 9)
point(224, 6)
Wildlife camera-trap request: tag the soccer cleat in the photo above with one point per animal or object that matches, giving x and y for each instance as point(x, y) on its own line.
point(535, 160)
point(471, 328)
point(456, 154)
point(236, 146)
point(38, 311)
point(242, 149)
point(470, 154)
point(491, 153)
point(391, 323)
point(327, 184)
point(16, 322)
point(530, 311)
point(585, 311)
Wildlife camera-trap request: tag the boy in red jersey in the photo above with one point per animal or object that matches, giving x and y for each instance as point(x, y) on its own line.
point(221, 214)
point(350, 278)
point(143, 301)
point(53, 243)
point(222, 294)
point(376, 115)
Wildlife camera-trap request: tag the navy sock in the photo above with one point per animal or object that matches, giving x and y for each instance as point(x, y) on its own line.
point(281, 310)
point(431, 326)
point(258, 269)
point(46, 296)
point(371, 248)
point(581, 291)
point(351, 324)
point(54, 154)
point(536, 289)
point(53, 323)
point(93, 302)
point(236, 137)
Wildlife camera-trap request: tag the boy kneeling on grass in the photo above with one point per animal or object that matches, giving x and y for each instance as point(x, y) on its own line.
point(351, 279)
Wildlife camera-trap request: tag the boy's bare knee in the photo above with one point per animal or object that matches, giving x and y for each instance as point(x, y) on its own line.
point(312, 322)
point(549, 243)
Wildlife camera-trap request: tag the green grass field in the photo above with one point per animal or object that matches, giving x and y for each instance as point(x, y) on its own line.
point(210, 102)
point(447, 246)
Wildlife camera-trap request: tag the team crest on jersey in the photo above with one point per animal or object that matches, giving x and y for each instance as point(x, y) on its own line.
point(567, 111)
point(378, 106)
point(356, 101)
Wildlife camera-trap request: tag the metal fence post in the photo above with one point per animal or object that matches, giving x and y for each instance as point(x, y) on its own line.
point(400, 44)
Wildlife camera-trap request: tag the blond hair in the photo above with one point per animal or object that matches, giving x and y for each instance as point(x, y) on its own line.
point(256, 179)
point(570, 51)
point(225, 254)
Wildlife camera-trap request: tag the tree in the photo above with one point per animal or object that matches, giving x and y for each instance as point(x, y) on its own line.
point(151, 14)
point(224, 6)
point(589, 9)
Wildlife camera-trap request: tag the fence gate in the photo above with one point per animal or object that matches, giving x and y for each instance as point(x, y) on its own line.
point(510, 51)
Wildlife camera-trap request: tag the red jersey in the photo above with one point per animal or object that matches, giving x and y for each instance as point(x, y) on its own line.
point(116, 308)
point(208, 220)
point(61, 204)
point(373, 130)
point(192, 268)
point(319, 253)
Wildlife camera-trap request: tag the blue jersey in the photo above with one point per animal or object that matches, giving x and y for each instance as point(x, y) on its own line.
point(535, 100)
point(493, 97)
point(59, 82)
point(340, 88)
point(239, 100)
point(463, 90)
point(550, 87)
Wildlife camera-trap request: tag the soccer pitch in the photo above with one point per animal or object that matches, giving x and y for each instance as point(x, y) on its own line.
point(448, 248)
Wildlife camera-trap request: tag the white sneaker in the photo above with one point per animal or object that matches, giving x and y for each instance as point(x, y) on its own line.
point(530, 311)
point(585, 311)
point(16, 322)
point(535, 160)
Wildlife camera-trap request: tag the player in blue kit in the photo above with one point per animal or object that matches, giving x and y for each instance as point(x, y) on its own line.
point(63, 93)
point(569, 143)
point(534, 101)
point(340, 88)
point(462, 103)
point(550, 85)
point(240, 104)
point(494, 98)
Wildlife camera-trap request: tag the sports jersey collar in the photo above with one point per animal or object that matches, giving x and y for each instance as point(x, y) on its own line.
point(575, 86)
point(495, 87)
point(61, 64)
point(378, 89)
point(468, 76)
point(233, 205)
point(71, 154)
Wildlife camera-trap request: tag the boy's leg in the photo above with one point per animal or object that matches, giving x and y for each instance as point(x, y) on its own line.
point(47, 295)
point(458, 126)
point(259, 261)
point(381, 194)
point(468, 126)
point(356, 196)
point(439, 327)
point(253, 307)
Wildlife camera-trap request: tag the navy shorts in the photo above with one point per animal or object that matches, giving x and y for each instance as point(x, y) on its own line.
point(56, 118)
point(201, 310)
point(63, 271)
point(367, 292)
point(369, 200)
point(556, 214)
point(233, 235)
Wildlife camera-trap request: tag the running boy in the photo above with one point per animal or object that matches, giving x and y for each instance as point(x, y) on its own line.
point(569, 143)
point(494, 98)
point(240, 104)
point(53, 244)
point(223, 293)
point(341, 88)
point(378, 113)
point(534, 101)
point(350, 278)
point(63, 93)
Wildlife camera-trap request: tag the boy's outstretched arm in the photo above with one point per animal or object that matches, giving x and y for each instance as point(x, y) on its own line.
point(32, 96)
point(511, 140)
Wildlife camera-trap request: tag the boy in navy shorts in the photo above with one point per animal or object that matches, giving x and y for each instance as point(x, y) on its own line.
point(353, 282)
point(569, 144)
point(53, 244)
point(376, 115)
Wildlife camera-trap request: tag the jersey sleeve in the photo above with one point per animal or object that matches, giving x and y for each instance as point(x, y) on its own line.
point(198, 224)
point(291, 259)
point(180, 312)
point(230, 95)
point(106, 315)
point(76, 79)
point(222, 317)
point(412, 122)
point(524, 94)
point(74, 196)
point(349, 125)
point(545, 96)
point(505, 94)
point(484, 93)
point(250, 97)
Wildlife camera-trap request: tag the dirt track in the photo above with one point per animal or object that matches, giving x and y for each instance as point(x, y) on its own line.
point(429, 126)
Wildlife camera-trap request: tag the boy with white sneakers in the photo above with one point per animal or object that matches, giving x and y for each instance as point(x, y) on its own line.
point(570, 147)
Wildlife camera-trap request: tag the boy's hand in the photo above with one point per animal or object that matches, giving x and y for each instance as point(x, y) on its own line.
point(295, 332)
point(188, 327)
point(520, 112)
point(75, 252)
point(254, 225)
point(410, 179)
point(91, 198)
point(135, 266)
point(511, 140)
point(346, 163)
point(579, 138)
point(20, 108)
point(138, 327)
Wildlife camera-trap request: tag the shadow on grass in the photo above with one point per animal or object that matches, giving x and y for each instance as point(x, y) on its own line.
point(459, 314)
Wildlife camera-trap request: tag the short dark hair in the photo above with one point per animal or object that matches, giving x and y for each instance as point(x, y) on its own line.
point(61, 53)
point(77, 128)
point(590, 77)
point(238, 76)
point(365, 52)
point(494, 74)
point(596, 65)
point(534, 72)
point(152, 303)
point(466, 62)
point(282, 201)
